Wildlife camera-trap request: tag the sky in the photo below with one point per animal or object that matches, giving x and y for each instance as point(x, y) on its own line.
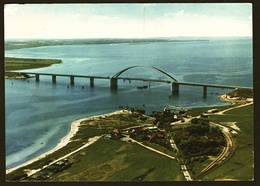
point(133, 20)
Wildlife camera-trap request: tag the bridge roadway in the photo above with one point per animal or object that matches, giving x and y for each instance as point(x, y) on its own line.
point(37, 77)
point(113, 81)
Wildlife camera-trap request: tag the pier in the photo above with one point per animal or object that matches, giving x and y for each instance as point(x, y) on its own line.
point(174, 84)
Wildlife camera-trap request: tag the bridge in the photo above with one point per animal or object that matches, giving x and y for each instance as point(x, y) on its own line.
point(54, 77)
point(124, 75)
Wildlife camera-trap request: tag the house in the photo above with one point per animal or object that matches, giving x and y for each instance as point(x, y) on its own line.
point(116, 133)
point(212, 111)
point(136, 110)
point(204, 115)
point(107, 136)
point(178, 116)
point(158, 134)
point(138, 130)
point(152, 129)
point(166, 111)
point(186, 133)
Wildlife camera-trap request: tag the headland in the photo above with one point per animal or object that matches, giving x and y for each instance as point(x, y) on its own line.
point(13, 64)
point(87, 131)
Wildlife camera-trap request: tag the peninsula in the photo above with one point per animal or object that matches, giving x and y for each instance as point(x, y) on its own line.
point(12, 64)
point(121, 146)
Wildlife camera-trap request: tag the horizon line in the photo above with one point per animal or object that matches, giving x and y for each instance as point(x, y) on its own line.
point(156, 37)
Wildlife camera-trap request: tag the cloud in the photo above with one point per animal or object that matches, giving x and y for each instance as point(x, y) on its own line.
point(68, 24)
point(180, 13)
point(177, 14)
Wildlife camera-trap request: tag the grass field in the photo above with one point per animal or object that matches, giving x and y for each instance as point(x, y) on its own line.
point(89, 128)
point(198, 111)
point(240, 165)
point(23, 63)
point(114, 160)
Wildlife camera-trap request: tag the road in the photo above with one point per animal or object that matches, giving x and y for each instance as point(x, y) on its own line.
point(225, 152)
point(242, 105)
point(183, 167)
point(90, 142)
point(127, 138)
point(230, 143)
point(223, 155)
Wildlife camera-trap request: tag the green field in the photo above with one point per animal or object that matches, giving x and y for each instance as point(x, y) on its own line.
point(89, 128)
point(23, 63)
point(114, 160)
point(198, 111)
point(240, 165)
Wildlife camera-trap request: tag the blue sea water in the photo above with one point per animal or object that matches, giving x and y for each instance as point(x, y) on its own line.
point(39, 114)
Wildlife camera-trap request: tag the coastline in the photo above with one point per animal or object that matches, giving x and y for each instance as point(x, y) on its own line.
point(13, 64)
point(234, 100)
point(76, 124)
point(64, 141)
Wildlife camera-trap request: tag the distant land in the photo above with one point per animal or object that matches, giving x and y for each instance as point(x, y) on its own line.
point(23, 63)
point(26, 43)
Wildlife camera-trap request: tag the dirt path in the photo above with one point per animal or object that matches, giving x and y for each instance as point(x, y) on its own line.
point(185, 171)
point(238, 106)
point(152, 149)
point(90, 142)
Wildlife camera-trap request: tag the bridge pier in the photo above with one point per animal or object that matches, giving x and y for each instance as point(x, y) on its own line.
point(53, 78)
point(204, 90)
point(113, 83)
point(71, 79)
point(91, 82)
point(37, 77)
point(175, 87)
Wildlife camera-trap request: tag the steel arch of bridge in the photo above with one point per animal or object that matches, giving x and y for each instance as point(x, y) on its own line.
point(137, 66)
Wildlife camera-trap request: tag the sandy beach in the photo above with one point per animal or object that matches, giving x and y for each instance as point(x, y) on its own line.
point(73, 130)
point(234, 100)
